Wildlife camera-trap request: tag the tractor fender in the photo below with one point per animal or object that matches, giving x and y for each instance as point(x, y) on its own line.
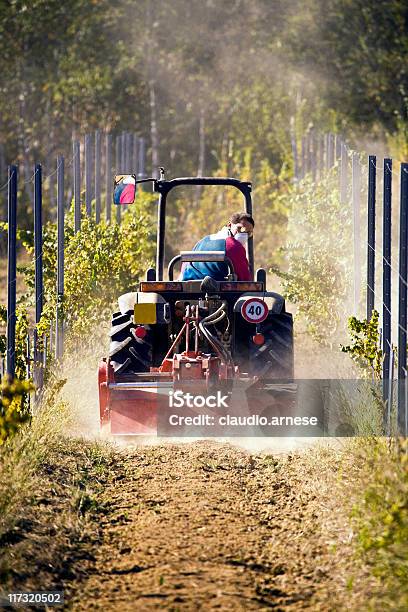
point(274, 301)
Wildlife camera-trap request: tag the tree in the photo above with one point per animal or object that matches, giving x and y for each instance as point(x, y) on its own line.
point(355, 52)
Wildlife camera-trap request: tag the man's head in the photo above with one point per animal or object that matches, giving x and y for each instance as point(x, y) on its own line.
point(241, 222)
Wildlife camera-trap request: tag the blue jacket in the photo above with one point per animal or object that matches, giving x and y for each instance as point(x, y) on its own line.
point(218, 270)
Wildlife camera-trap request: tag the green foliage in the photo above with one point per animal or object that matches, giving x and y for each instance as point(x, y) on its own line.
point(236, 74)
point(102, 261)
point(365, 345)
point(397, 142)
point(22, 325)
point(64, 59)
point(318, 256)
point(3, 338)
point(381, 520)
point(233, 79)
point(13, 411)
point(354, 51)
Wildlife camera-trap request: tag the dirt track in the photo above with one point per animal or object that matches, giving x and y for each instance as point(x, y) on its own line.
point(207, 526)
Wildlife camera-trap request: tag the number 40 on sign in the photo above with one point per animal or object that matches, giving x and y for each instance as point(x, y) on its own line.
point(254, 310)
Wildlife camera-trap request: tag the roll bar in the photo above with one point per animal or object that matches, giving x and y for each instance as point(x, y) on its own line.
point(163, 187)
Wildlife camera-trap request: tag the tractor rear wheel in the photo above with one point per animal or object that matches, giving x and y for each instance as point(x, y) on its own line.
point(274, 359)
point(128, 353)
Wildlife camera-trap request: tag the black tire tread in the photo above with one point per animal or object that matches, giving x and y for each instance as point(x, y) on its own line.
point(277, 352)
point(128, 353)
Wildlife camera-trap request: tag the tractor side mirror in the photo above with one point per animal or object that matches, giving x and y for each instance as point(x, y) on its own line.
point(124, 189)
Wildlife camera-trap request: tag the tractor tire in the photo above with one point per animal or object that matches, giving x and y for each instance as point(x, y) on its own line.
point(128, 354)
point(274, 359)
point(118, 317)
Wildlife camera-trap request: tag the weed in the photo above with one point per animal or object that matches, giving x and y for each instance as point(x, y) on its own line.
point(380, 517)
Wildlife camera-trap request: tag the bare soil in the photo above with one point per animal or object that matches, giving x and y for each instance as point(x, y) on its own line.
point(210, 527)
point(200, 526)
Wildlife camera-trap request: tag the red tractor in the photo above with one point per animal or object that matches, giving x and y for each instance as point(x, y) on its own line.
point(203, 336)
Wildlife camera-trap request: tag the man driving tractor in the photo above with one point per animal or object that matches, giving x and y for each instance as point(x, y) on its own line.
point(202, 333)
point(232, 239)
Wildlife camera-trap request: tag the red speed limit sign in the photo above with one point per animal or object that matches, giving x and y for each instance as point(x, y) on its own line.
point(254, 310)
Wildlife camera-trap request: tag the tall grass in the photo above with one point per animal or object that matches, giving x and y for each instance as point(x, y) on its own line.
point(380, 517)
point(22, 454)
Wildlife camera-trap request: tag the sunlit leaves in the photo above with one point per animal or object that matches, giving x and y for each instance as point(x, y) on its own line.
point(364, 348)
point(317, 276)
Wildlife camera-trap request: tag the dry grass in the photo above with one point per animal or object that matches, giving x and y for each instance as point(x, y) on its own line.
point(49, 488)
point(20, 458)
point(377, 471)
